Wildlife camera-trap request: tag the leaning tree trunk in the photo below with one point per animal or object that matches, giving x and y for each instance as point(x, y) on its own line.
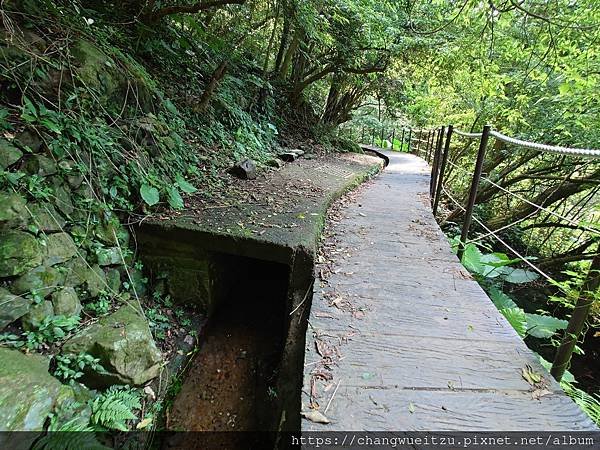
point(213, 82)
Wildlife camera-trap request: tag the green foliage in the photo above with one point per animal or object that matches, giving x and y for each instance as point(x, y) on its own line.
point(71, 367)
point(149, 194)
point(590, 404)
point(115, 407)
point(71, 435)
point(52, 329)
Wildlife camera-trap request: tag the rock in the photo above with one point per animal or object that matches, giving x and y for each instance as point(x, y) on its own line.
point(297, 151)
point(95, 280)
point(19, 251)
point(66, 302)
point(43, 280)
point(75, 180)
point(75, 271)
point(112, 233)
point(63, 200)
point(36, 315)
point(59, 248)
point(139, 281)
point(41, 166)
point(113, 279)
point(12, 307)
point(275, 162)
point(287, 156)
point(46, 218)
point(123, 343)
point(13, 213)
point(29, 394)
point(309, 156)
point(29, 139)
point(109, 256)
point(246, 169)
point(9, 154)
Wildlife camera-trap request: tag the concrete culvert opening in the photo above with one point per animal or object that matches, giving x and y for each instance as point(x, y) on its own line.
point(231, 383)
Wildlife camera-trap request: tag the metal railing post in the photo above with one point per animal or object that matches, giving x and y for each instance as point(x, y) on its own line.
point(440, 180)
point(427, 146)
point(418, 135)
point(409, 140)
point(402, 141)
point(382, 136)
point(577, 321)
point(436, 161)
point(473, 192)
point(393, 137)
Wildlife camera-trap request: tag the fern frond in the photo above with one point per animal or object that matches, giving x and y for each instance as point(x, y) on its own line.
point(114, 407)
point(71, 435)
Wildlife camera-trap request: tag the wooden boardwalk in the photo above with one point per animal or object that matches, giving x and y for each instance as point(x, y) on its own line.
point(402, 338)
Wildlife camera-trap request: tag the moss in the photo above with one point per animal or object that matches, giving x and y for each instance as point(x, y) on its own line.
point(19, 251)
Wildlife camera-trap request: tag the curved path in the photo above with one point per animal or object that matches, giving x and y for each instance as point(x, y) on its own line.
point(400, 337)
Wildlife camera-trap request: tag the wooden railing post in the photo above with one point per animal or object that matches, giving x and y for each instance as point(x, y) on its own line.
point(578, 319)
point(436, 161)
point(473, 192)
point(440, 180)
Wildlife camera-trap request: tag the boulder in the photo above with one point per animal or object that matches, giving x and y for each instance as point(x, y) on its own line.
point(29, 139)
point(63, 201)
point(19, 251)
point(43, 280)
point(9, 154)
point(113, 279)
point(46, 218)
point(109, 256)
point(66, 302)
point(13, 213)
point(29, 394)
point(41, 166)
point(12, 307)
point(124, 344)
point(95, 280)
point(246, 169)
point(36, 315)
point(78, 273)
point(59, 248)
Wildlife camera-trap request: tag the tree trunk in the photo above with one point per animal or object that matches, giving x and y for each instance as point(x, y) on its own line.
point(213, 82)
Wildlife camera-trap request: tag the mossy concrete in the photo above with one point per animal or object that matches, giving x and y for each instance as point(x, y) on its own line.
point(279, 218)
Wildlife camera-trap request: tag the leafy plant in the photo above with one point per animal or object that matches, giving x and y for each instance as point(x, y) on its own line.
point(71, 435)
point(70, 367)
point(115, 407)
point(52, 329)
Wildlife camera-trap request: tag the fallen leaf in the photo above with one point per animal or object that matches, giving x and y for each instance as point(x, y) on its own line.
point(530, 375)
point(315, 416)
point(150, 392)
point(411, 407)
point(144, 423)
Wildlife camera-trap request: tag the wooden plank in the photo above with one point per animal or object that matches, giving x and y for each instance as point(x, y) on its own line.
point(400, 322)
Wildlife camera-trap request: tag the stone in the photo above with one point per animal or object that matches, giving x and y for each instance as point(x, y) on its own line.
point(29, 139)
point(275, 162)
point(46, 218)
point(43, 280)
point(12, 307)
point(36, 315)
point(287, 156)
point(59, 248)
point(19, 251)
point(75, 180)
point(66, 302)
point(29, 395)
point(124, 344)
point(95, 280)
point(63, 200)
point(9, 154)
point(113, 279)
point(139, 281)
point(13, 213)
point(109, 256)
point(297, 151)
point(41, 165)
point(112, 233)
point(246, 169)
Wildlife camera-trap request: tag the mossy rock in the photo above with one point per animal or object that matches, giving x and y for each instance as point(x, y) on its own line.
point(29, 395)
point(113, 279)
point(41, 165)
point(46, 218)
point(19, 251)
point(13, 213)
point(66, 302)
point(36, 315)
point(9, 154)
point(59, 248)
point(109, 256)
point(12, 307)
point(124, 344)
point(29, 140)
point(62, 200)
point(43, 280)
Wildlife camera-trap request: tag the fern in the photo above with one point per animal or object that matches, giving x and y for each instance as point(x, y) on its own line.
point(71, 435)
point(115, 407)
point(590, 404)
